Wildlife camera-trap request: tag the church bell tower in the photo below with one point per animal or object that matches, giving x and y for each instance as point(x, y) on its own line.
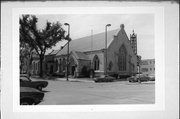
point(133, 41)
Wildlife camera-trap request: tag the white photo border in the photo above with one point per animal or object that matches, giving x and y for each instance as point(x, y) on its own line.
point(159, 59)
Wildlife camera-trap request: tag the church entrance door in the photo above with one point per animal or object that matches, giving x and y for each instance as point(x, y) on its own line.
point(73, 70)
point(51, 69)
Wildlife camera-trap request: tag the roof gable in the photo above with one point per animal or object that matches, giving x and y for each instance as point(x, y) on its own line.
point(80, 55)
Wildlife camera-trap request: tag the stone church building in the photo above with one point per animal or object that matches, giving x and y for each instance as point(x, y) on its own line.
point(89, 53)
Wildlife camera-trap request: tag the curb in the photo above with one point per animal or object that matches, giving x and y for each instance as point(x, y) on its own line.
point(74, 80)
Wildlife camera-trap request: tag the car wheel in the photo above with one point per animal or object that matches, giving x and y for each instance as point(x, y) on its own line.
point(39, 87)
point(26, 102)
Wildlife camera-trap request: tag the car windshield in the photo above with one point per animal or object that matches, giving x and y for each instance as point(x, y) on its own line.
point(104, 76)
point(140, 75)
point(151, 75)
point(23, 78)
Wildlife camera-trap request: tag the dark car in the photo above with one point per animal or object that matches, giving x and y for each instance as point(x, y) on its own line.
point(25, 81)
point(152, 77)
point(104, 78)
point(30, 96)
point(138, 78)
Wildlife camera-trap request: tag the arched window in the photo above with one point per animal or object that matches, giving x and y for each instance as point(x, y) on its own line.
point(64, 64)
point(96, 62)
point(38, 66)
point(34, 67)
point(56, 64)
point(122, 58)
point(60, 65)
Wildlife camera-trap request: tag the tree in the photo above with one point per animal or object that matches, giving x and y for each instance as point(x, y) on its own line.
point(39, 40)
point(25, 54)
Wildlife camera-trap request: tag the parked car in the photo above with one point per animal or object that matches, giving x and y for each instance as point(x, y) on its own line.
point(25, 81)
point(30, 96)
point(152, 77)
point(26, 75)
point(138, 78)
point(104, 78)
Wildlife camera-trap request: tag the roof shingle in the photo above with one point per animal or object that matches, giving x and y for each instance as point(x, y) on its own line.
point(80, 55)
point(84, 44)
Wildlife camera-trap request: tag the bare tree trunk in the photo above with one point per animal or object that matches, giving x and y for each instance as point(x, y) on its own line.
point(41, 65)
point(29, 68)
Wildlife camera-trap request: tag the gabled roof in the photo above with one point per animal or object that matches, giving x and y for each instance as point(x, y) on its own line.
point(84, 44)
point(80, 55)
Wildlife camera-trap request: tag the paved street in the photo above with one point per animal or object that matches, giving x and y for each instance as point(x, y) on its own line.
point(62, 92)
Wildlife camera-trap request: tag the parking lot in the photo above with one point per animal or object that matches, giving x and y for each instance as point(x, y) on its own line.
point(82, 91)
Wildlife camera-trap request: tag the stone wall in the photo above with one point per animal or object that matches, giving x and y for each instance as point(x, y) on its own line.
point(100, 55)
point(83, 64)
point(113, 51)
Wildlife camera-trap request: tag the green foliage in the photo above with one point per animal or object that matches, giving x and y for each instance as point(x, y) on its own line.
point(38, 40)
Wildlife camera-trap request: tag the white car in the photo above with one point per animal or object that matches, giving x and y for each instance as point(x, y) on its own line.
point(138, 78)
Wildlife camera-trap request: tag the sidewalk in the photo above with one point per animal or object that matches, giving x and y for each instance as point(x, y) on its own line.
point(76, 79)
point(71, 79)
point(88, 80)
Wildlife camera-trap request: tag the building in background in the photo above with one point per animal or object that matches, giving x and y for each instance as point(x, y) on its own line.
point(148, 67)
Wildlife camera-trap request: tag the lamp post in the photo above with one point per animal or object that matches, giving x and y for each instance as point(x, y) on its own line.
point(106, 47)
point(68, 38)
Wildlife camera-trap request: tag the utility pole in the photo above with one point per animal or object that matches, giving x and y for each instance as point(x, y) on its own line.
point(67, 63)
point(106, 48)
point(91, 47)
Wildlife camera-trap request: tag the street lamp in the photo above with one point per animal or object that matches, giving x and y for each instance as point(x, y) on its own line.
point(106, 47)
point(68, 38)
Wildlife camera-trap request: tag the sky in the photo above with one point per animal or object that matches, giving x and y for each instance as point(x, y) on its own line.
point(82, 24)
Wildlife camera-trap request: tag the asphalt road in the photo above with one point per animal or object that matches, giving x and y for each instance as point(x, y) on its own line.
point(75, 92)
